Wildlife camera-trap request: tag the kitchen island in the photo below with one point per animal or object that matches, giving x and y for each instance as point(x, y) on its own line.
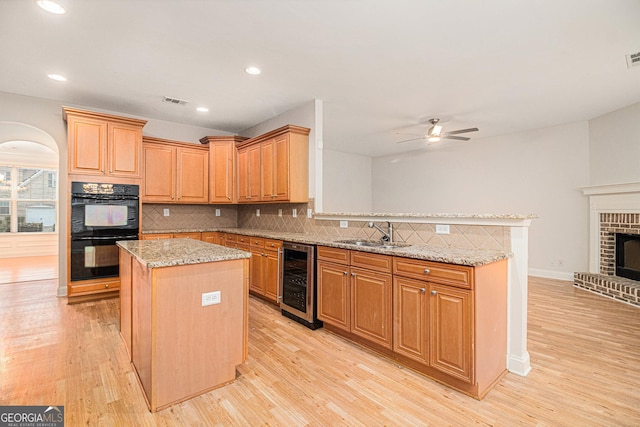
point(183, 316)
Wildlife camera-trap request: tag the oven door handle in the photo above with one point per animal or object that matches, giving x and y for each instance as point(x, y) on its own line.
point(129, 237)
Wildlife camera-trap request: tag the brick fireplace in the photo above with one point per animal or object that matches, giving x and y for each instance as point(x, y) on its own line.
point(613, 209)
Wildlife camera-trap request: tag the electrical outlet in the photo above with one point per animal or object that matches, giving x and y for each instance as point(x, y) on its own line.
point(257, 212)
point(165, 212)
point(309, 213)
point(344, 224)
point(210, 298)
point(217, 212)
point(442, 229)
point(280, 212)
point(294, 212)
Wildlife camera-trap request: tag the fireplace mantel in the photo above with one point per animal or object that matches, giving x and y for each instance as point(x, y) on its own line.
point(612, 198)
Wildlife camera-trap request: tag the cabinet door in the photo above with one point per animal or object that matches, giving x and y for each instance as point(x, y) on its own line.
point(256, 283)
point(193, 176)
point(451, 331)
point(254, 160)
point(87, 145)
point(212, 237)
point(281, 167)
point(159, 173)
point(334, 297)
point(267, 171)
point(157, 236)
point(221, 174)
point(125, 142)
point(271, 270)
point(410, 327)
point(371, 306)
point(243, 175)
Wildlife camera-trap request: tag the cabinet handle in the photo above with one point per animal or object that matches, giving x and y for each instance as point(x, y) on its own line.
point(106, 286)
point(353, 274)
point(229, 198)
point(171, 197)
point(344, 272)
point(433, 292)
point(427, 271)
point(422, 290)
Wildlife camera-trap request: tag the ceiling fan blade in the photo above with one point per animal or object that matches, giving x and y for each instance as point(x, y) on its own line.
point(458, 138)
point(413, 139)
point(456, 132)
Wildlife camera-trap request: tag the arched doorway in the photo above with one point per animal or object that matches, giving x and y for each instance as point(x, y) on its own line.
point(29, 212)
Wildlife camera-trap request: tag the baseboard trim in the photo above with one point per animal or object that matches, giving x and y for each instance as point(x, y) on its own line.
point(519, 365)
point(549, 274)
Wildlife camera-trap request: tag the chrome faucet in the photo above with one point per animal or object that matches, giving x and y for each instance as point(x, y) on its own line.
point(387, 236)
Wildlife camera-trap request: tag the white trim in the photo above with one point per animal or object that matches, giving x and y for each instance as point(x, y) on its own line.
point(518, 360)
point(454, 219)
point(549, 274)
point(628, 187)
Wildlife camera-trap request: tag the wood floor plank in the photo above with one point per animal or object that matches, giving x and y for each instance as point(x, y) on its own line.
point(584, 352)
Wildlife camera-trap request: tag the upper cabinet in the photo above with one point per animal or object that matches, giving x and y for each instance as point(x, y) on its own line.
point(222, 168)
point(103, 144)
point(175, 172)
point(274, 167)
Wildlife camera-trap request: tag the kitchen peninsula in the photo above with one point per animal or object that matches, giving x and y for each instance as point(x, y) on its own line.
point(183, 316)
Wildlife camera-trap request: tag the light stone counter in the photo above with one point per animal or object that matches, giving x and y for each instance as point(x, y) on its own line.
point(470, 257)
point(170, 252)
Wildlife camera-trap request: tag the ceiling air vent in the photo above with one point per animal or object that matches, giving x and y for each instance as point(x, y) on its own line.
point(633, 60)
point(174, 100)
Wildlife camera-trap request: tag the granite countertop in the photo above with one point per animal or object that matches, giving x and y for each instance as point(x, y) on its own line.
point(469, 257)
point(170, 252)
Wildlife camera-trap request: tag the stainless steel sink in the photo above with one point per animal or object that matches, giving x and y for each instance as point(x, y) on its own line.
point(372, 244)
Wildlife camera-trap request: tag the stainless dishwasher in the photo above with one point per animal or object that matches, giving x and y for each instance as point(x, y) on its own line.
point(298, 284)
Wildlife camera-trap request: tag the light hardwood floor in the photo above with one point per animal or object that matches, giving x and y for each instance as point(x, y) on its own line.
point(28, 269)
point(585, 353)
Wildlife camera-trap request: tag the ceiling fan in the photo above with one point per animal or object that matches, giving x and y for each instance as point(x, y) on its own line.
point(435, 134)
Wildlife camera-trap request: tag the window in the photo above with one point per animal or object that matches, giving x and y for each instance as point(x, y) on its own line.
point(28, 199)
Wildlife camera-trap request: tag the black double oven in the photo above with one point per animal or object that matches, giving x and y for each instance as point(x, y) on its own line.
point(101, 214)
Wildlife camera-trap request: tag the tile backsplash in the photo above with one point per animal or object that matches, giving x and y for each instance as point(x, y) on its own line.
point(188, 217)
point(279, 217)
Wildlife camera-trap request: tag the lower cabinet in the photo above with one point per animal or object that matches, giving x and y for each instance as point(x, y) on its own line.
point(446, 321)
point(159, 236)
point(264, 265)
point(355, 299)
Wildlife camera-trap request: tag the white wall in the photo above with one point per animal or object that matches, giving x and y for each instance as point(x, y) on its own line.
point(614, 146)
point(347, 183)
point(536, 172)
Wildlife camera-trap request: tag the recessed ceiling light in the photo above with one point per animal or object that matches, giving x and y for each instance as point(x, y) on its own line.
point(57, 77)
point(202, 109)
point(254, 71)
point(51, 6)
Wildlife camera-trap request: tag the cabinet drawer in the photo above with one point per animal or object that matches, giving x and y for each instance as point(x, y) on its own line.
point(340, 256)
point(157, 236)
point(256, 242)
point(272, 245)
point(230, 238)
point(81, 288)
point(371, 261)
point(194, 236)
point(243, 240)
point(450, 274)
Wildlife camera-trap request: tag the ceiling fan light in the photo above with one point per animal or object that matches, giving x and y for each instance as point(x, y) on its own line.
point(436, 130)
point(51, 6)
point(433, 139)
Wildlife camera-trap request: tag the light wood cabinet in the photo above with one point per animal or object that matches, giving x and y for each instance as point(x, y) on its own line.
point(451, 333)
point(411, 321)
point(103, 144)
point(213, 237)
point(160, 236)
point(274, 167)
point(249, 161)
point(222, 168)
point(356, 296)
point(175, 172)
